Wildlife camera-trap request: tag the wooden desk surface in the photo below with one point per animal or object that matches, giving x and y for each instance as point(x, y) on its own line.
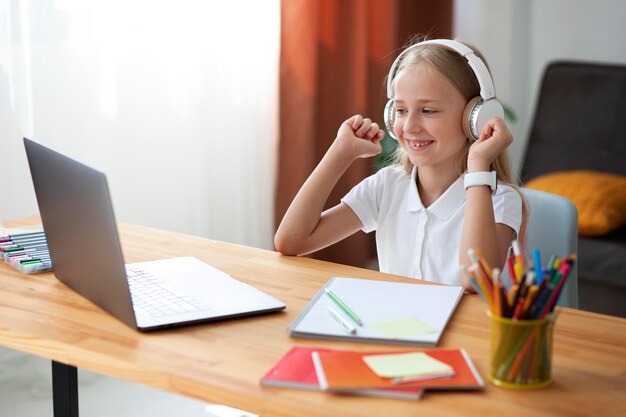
point(222, 362)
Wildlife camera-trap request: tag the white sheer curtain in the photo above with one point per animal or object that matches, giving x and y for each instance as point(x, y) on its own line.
point(176, 100)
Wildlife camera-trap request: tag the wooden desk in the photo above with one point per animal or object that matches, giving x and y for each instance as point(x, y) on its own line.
point(223, 362)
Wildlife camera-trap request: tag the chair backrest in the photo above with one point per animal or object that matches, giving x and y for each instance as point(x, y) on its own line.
point(553, 229)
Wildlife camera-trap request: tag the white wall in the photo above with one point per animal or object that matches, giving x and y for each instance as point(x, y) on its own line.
point(519, 38)
point(176, 100)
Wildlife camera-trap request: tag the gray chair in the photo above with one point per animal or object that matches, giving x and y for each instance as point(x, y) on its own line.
point(553, 229)
point(578, 125)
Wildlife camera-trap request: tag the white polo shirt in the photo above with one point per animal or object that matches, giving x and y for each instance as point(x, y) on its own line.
point(415, 241)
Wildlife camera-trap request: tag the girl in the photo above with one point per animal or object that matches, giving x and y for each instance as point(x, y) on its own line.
point(435, 203)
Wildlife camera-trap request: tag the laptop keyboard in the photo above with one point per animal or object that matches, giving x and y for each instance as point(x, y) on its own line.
point(155, 299)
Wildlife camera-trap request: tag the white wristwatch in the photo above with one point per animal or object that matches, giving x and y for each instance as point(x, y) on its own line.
point(472, 179)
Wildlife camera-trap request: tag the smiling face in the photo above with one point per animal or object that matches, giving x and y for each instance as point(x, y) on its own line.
point(427, 117)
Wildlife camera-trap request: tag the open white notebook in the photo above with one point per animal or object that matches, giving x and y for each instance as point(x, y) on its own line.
point(391, 312)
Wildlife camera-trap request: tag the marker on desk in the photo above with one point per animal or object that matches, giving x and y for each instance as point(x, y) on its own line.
point(6, 238)
point(7, 245)
point(345, 324)
point(27, 233)
point(29, 251)
point(343, 307)
point(11, 254)
point(21, 248)
point(36, 242)
point(18, 259)
point(26, 248)
point(27, 238)
point(22, 238)
point(34, 268)
point(32, 261)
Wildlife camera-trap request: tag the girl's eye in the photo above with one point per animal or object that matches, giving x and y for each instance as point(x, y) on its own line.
point(429, 111)
point(400, 111)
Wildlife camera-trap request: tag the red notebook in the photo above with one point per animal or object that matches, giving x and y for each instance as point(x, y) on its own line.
point(344, 371)
point(296, 370)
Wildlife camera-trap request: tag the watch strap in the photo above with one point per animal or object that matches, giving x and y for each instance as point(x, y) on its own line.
point(472, 179)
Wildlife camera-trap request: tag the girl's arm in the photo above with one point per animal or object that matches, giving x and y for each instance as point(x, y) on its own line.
point(304, 228)
point(479, 226)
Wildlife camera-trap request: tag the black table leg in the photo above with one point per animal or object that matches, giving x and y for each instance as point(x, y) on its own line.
point(64, 390)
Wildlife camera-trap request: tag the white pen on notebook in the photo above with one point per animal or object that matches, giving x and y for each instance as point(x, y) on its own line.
point(345, 324)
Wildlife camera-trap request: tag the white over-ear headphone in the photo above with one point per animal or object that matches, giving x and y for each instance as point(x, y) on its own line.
point(478, 111)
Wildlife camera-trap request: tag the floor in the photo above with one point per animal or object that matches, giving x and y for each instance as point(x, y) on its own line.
point(26, 391)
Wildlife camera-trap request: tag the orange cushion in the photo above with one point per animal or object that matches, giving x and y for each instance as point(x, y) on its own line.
point(599, 197)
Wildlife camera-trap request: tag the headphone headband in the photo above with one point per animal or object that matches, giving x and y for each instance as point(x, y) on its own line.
point(487, 90)
point(477, 112)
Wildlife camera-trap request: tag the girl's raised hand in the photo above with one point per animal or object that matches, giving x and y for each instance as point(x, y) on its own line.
point(360, 137)
point(493, 140)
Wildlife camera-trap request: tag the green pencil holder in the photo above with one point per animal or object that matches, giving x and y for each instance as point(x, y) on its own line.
point(521, 352)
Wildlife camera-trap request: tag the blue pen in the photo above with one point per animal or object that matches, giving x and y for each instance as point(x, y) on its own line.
point(538, 270)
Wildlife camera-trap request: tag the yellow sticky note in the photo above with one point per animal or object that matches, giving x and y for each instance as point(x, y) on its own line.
point(405, 365)
point(394, 329)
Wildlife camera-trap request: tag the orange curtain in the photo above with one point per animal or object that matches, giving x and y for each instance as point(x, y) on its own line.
point(335, 55)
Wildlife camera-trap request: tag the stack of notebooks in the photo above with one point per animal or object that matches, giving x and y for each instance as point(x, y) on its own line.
point(374, 311)
point(403, 374)
point(26, 250)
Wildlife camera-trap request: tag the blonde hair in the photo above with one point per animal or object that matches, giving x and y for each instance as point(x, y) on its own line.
point(456, 69)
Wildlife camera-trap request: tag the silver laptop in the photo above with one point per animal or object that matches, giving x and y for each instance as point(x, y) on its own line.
point(78, 219)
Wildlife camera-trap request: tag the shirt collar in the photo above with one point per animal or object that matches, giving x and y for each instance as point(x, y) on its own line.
point(445, 206)
point(413, 200)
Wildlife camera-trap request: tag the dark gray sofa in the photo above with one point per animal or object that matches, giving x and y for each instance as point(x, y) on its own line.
point(580, 124)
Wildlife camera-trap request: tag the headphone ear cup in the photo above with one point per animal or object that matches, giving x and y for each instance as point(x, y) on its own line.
point(389, 118)
point(466, 121)
point(477, 113)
